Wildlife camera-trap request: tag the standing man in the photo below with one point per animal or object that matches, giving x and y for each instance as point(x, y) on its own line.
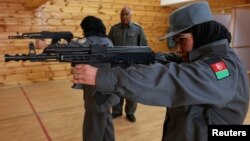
point(126, 33)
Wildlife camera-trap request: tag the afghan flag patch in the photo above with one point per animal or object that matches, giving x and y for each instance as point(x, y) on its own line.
point(219, 68)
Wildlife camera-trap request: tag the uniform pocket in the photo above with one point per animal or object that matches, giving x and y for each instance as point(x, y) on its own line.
point(132, 38)
point(131, 34)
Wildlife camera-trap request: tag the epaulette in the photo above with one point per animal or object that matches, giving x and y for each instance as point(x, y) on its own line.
point(136, 23)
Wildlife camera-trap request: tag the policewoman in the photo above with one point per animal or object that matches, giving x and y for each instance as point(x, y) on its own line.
point(210, 87)
point(97, 123)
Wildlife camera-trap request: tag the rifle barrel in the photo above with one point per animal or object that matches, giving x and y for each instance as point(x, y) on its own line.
point(32, 58)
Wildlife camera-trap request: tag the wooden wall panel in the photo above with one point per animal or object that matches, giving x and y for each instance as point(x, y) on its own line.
point(66, 15)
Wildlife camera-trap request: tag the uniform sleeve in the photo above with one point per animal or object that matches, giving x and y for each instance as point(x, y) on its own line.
point(110, 35)
point(143, 39)
point(169, 86)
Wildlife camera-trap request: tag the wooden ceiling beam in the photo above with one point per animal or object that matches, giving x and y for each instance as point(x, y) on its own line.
point(33, 4)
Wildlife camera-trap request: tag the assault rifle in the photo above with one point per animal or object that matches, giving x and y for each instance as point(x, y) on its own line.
point(75, 53)
point(55, 36)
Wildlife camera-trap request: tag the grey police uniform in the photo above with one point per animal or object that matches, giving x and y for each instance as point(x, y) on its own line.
point(98, 125)
point(132, 35)
point(194, 96)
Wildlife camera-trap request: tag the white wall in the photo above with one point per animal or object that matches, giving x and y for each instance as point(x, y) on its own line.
point(240, 27)
point(224, 19)
point(170, 2)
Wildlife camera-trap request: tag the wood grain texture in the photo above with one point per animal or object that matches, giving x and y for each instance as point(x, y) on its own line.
point(66, 15)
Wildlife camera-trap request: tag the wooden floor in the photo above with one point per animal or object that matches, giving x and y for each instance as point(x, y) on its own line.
point(52, 111)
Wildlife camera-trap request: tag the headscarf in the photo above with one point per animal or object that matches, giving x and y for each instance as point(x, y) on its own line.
point(93, 26)
point(208, 32)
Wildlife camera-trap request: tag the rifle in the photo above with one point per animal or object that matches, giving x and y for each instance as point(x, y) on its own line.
point(55, 36)
point(75, 53)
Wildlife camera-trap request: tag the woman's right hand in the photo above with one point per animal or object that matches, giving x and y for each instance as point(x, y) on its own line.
point(40, 44)
point(84, 74)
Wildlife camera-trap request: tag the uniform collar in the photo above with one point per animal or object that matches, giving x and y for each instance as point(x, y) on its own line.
point(218, 47)
point(129, 25)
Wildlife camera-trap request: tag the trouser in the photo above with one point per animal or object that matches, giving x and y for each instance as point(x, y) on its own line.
point(130, 107)
point(98, 127)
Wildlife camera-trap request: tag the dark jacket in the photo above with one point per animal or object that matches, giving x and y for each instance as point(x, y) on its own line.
point(93, 102)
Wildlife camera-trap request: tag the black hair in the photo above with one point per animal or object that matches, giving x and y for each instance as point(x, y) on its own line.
point(208, 32)
point(93, 26)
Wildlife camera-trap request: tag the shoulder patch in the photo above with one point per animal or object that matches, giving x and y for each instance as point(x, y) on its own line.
point(219, 67)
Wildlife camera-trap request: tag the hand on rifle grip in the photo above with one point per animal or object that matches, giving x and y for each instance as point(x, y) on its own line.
point(40, 44)
point(84, 74)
